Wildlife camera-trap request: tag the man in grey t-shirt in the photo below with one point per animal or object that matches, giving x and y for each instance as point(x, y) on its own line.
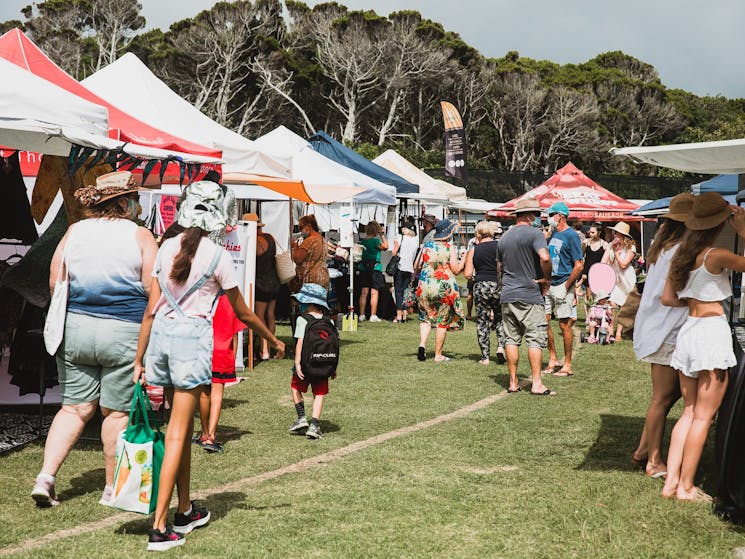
point(526, 274)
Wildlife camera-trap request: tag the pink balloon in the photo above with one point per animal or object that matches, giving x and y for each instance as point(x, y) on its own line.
point(601, 277)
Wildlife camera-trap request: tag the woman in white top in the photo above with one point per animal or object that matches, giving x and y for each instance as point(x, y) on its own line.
point(177, 334)
point(699, 280)
point(655, 331)
point(620, 254)
point(406, 249)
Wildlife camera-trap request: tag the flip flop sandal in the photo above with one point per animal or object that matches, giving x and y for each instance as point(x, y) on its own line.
point(657, 475)
point(563, 373)
point(551, 369)
point(547, 392)
point(443, 360)
point(510, 391)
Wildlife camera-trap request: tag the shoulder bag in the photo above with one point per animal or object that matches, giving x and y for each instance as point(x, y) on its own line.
point(54, 325)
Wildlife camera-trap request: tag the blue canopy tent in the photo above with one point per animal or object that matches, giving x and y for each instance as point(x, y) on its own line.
point(724, 184)
point(658, 207)
point(328, 147)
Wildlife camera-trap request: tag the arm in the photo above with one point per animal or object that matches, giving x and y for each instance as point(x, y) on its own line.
point(469, 270)
point(606, 255)
point(54, 267)
point(670, 298)
point(576, 271)
point(623, 259)
point(456, 265)
point(299, 254)
point(247, 317)
point(396, 246)
point(148, 251)
point(145, 328)
point(383, 242)
point(298, 354)
point(545, 260)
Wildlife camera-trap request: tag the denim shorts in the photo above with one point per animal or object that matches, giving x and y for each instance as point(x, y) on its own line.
point(180, 352)
point(96, 361)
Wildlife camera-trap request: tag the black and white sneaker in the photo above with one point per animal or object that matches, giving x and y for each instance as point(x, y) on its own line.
point(163, 540)
point(199, 516)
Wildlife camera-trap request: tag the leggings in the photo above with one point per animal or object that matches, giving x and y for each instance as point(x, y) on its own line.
point(488, 314)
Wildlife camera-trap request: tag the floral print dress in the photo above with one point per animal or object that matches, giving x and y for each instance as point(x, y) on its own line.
point(437, 292)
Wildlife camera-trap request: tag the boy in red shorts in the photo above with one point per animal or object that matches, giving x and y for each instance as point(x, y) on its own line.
point(225, 328)
point(312, 299)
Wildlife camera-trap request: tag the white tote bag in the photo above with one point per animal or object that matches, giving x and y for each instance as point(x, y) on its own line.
point(285, 266)
point(54, 327)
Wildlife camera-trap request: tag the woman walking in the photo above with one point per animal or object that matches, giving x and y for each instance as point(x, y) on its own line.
point(175, 343)
point(406, 250)
point(619, 255)
point(440, 306)
point(655, 331)
point(699, 280)
point(481, 267)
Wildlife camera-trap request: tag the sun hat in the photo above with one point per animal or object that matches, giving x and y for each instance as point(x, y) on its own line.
point(429, 218)
point(443, 229)
point(492, 215)
point(202, 207)
point(600, 295)
point(709, 210)
point(253, 217)
point(107, 186)
point(313, 294)
point(680, 207)
point(527, 205)
point(558, 208)
point(622, 228)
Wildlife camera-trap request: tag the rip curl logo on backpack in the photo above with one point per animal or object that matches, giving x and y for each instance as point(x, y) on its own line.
point(320, 354)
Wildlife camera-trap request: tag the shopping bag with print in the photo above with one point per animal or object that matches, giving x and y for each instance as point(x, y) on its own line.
point(139, 455)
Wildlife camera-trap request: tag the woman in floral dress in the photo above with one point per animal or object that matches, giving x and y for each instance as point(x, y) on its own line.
point(437, 293)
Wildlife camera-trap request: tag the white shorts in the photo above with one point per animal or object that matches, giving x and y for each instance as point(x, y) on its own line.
point(662, 356)
point(703, 344)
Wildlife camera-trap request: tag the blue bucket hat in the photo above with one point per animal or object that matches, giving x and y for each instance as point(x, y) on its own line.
point(443, 229)
point(313, 294)
point(558, 208)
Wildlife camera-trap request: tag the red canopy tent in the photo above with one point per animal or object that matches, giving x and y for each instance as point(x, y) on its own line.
point(586, 199)
point(20, 50)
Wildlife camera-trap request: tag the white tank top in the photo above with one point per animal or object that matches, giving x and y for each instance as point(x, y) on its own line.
point(705, 286)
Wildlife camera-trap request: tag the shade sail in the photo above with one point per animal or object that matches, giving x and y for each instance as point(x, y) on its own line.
point(131, 86)
point(330, 148)
point(20, 50)
point(319, 172)
point(399, 165)
point(711, 158)
point(295, 189)
point(585, 198)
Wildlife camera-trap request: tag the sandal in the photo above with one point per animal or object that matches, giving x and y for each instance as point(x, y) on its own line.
point(441, 360)
point(547, 392)
point(510, 391)
point(563, 373)
point(551, 369)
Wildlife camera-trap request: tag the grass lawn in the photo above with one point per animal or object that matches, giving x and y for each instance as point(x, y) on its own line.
point(521, 477)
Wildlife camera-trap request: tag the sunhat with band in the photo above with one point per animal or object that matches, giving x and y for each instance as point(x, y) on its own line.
point(444, 229)
point(527, 205)
point(709, 210)
point(312, 293)
point(202, 207)
point(108, 186)
point(622, 228)
point(680, 207)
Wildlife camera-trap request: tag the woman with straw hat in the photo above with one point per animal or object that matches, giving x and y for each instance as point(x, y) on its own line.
point(699, 279)
point(619, 255)
point(655, 331)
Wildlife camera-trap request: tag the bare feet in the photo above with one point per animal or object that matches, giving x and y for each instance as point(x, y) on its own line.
point(694, 495)
point(655, 471)
point(551, 367)
point(669, 491)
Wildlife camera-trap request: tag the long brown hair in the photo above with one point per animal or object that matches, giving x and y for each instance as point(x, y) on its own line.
point(685, 257)
point(111, 209)
point(190, 240)
point(667, 236)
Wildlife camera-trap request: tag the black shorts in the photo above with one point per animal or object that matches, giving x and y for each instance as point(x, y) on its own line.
point(372, 279)
point(266, 296)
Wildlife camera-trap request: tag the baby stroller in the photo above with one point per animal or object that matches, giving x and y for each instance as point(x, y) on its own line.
point(599, 321)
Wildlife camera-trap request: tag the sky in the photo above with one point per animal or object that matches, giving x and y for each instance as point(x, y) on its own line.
point(696, 46)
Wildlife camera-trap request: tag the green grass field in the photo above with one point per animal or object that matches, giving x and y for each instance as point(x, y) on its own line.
point(523, 476)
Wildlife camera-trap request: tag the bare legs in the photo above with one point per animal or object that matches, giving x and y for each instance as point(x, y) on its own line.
point(265, 311)
point(568, 336)
point(665, 393)
point(440, 333)
point(114, 422)
point(535, 356)
point(176, 467)
point(701, 400)
point(210, 406)
point(553, 359)
point(66, 428)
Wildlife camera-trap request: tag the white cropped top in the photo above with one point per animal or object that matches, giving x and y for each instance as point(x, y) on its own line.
point(705, 286)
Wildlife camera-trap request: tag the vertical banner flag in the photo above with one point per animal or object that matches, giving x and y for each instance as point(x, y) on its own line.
point(455, 142)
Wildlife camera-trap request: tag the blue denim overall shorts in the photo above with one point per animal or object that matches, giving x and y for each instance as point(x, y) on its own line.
point(180, 350)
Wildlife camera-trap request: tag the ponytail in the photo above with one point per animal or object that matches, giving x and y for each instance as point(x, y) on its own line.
point(182, 263)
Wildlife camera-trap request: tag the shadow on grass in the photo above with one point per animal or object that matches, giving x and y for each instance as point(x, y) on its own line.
point(91, 481)
point(329, 427)
point(227, 433)
point(501, 379)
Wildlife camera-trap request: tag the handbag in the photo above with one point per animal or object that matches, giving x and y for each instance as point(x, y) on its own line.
point(392, 267)
point(54, 325)
point(285, 266)
point(139, 455)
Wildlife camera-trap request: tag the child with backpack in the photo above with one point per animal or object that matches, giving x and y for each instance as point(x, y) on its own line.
point(316, 358)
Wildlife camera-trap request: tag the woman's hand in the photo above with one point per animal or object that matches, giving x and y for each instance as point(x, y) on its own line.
point(737, 220)
point(279, 345)
point(139, 373)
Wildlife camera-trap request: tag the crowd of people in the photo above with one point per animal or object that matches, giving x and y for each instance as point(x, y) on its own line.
point(138, 312)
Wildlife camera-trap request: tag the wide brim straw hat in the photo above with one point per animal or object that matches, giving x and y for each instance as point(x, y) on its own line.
point(622, 228)
point(108, 186)
point(444, 230)
point(253, 217)
point(527, 205)
point(202, 207)
point(680, 207)
point(709, 210)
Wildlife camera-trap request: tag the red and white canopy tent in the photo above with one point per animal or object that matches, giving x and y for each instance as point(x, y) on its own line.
point(586, 199)
point(20, 50)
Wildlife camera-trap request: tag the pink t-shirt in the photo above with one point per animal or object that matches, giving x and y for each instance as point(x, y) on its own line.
point(200, 302)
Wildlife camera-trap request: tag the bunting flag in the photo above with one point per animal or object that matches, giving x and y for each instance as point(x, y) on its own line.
point(455, 142)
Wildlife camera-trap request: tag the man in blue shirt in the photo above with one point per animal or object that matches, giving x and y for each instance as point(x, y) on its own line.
point(565, 251)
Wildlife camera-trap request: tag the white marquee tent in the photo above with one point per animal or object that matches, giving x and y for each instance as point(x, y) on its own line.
point(428, 186)
point(713, 158)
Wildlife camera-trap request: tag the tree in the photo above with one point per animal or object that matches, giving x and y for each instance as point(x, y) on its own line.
point(115, 23)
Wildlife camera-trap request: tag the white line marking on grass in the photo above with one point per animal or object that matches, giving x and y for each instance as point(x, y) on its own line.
point(297, 467)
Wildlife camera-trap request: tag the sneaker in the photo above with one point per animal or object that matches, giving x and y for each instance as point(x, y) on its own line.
point(183, 524)
point(374, 318)
point(213, 447)
point(162, 541)
point(299, 426)
point(43, 493)
point(314, 432)
point(361, 318)
point(108, 491)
